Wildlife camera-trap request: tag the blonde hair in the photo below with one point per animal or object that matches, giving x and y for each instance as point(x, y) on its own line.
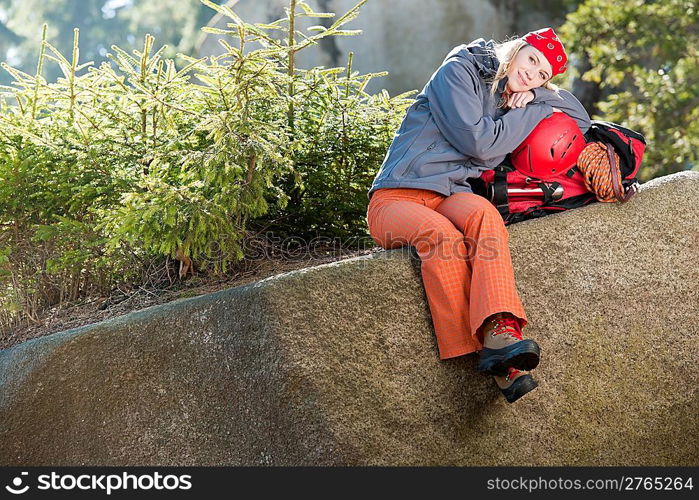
point(506, 52)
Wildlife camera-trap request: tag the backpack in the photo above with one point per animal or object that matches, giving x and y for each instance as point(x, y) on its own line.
point(520, 197)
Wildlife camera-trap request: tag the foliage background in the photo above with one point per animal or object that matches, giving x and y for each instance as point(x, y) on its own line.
point(112, 170)
point(176, 23)
point(109, 172)
point(644, 57)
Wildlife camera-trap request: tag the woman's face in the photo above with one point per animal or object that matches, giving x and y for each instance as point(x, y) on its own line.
point(528, 70)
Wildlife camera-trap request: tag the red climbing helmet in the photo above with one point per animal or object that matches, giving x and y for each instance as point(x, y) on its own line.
point(551, 148)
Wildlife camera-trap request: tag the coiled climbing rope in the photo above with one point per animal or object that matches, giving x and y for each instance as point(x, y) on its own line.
point(597, 172)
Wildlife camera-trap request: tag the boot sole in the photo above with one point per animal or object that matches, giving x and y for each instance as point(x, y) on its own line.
point(519, 388)
point(523, 355)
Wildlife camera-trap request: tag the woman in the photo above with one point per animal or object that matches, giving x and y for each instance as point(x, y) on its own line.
point(478, 106)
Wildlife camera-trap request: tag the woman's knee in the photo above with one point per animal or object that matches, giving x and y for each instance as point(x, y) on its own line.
point(442, 240)
point(437, 234)
point(459, 207)
point(404, 223)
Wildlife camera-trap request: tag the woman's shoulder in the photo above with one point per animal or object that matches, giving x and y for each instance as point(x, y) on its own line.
point(478, 54)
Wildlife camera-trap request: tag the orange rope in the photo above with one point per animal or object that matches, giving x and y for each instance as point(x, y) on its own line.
point(594, 166)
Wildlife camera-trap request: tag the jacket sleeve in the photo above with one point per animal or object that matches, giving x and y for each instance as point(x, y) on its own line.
point(566, 102)
point(456, 99)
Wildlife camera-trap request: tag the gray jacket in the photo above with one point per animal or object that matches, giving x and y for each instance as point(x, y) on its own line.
point(454, 129)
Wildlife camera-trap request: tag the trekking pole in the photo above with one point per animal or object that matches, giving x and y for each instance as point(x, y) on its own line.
point(534, 192)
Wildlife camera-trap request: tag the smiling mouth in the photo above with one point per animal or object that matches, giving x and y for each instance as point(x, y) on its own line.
point(521, 79)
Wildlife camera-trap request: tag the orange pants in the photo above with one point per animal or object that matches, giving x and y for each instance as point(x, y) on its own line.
point(465, 259)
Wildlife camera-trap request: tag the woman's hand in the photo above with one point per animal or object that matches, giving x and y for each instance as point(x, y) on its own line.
point(520, 99)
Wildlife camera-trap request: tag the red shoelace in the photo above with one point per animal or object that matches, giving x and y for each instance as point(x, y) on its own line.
point(509, 325)
point(512, 373)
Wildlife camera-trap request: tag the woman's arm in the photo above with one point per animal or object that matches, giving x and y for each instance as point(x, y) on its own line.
point(566, 102)
point(456, 104)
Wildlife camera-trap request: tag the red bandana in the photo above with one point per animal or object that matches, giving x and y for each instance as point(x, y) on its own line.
point(548, 43)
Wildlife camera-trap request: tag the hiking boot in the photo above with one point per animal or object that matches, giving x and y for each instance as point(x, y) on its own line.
point(504, 347)
point(515, 384)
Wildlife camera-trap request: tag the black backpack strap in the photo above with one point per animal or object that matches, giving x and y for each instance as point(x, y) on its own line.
point(500, 193)
point(548, 188)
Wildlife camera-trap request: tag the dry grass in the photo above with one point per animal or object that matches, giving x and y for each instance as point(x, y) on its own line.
point(95, 309)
